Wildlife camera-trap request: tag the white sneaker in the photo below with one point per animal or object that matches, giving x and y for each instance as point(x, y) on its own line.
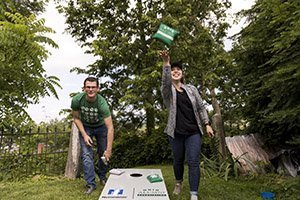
point(194, 197)
point(177, 188)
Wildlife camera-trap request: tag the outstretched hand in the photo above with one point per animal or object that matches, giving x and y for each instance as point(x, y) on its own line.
point(165, 57)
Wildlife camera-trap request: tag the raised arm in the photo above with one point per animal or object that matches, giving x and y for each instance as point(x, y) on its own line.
point(166, 85)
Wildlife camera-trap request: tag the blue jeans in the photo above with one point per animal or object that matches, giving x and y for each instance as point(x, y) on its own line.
point(100, 133)
point(189, 146)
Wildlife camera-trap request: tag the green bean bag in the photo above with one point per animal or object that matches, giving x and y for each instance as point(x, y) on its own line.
point(165, 34)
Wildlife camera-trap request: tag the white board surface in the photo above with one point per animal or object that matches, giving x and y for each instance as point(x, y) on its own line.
point(133, 184)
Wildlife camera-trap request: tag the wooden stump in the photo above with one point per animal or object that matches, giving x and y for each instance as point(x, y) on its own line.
point(72, 166)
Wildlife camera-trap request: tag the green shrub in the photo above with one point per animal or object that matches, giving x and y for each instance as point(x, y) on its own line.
point(217, 166)
point(134, 150)
point(11, 167)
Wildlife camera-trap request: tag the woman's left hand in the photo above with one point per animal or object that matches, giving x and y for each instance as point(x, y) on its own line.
point(209, 131)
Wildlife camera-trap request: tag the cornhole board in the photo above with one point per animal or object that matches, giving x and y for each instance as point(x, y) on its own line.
point(133, 184)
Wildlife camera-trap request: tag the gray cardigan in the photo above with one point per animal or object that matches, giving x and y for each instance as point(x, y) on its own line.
point(168, 92)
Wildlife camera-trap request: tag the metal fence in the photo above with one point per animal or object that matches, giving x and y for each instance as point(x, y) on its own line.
point(33, 152)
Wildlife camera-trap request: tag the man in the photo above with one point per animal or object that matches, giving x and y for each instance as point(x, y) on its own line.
point(92, 117)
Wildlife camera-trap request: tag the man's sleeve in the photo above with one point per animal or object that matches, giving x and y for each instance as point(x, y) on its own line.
point(75, 104)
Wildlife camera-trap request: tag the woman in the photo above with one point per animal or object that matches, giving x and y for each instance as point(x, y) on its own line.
point(186, 116)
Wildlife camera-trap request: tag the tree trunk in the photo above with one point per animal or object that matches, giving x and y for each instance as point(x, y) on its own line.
point(150, 120)
point(150, 113)
point(72, 166)
point(218, 123)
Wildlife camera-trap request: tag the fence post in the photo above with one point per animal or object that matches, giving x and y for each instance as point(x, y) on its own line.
point(72, 166)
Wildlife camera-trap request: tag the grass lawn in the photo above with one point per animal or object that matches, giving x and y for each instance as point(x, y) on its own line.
point(242, 188)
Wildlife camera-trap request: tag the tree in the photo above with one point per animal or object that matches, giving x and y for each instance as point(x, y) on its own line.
point(24, 7)
point(267, 57)
point(22, 77)
point(119, 34)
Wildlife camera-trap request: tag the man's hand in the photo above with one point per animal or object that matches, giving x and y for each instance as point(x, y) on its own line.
point(107, 154)
point(110, 137)
point(209, 131)
point(88, 140)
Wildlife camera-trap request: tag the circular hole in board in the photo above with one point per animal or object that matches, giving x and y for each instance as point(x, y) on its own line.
point(136, 175)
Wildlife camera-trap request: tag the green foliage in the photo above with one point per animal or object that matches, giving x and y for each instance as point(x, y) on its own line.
point(140, 149)
point(287, 190)
point(13, 170)
point(42, 150)
point(266, 54)
point(127, 150)
point(22, 77)
point(24, 7)
point(54, 124)
point(119, 34)
point(216, 167)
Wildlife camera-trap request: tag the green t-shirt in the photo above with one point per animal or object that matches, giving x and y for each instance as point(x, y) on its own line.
point(91, 114)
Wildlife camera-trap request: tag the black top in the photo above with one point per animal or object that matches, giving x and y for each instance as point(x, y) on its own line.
point(186, 123)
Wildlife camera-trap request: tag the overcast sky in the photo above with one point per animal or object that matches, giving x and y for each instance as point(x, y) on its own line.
point(70, 55)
